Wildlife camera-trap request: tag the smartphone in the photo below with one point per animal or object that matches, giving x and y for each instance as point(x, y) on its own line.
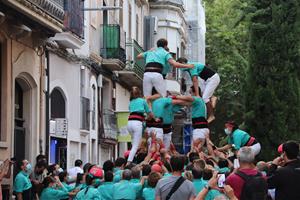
point(221, 180)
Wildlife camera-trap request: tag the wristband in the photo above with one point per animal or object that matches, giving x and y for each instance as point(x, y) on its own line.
point(174, 97)
point(207, 187)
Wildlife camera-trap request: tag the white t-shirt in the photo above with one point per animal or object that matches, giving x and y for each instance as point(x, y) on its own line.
point(74, 171)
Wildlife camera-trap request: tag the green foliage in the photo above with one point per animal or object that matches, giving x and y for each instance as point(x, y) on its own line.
point(273, 88)
point(227, 52)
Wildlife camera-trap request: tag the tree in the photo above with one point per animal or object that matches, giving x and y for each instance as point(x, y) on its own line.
point(273, 88)
point(227, 52)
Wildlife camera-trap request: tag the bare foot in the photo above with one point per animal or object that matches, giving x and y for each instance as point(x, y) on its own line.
point(211, 118)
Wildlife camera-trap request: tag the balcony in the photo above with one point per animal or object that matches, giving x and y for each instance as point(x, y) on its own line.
point(49, 13)
point(109, 131)
point(112, 47)
point(132, 75)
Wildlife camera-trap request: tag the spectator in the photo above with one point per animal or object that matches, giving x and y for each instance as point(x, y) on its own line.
point(53, 189)
point(149, 192)
point(38, 176)
point(108, 166)
point(106, 189)
point(285, 179)
point(246, 159)
point(90, 192)
point(22, 184)
point(63, 178)
point(185, 189)
point(5, 172)
point(125, 189)
point(197, 181)
point(75, 170)
point(212, 192)
point(119, 166)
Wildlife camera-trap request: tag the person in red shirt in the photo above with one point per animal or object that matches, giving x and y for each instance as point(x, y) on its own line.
point(246, 160)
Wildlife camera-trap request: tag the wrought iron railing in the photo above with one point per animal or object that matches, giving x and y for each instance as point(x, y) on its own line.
point(54, 8)
point(74, 16)
point(135, 65)
point(112, 42)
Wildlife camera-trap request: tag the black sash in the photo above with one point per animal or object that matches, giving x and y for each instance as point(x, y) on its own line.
point(199, 122)
point(154, 67)
point(206, 73)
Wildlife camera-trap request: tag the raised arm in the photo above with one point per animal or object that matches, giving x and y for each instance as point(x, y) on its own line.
point(140, 56)
point(179, 65)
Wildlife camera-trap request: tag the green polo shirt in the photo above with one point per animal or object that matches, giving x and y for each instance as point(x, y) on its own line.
point(106, 190)
point(198, 108)
point(138, 188)
point(22, 182)
point(89, 193)
point(198, 185)
point(139, 105)
point(198, 68)
point(117, 175)
point(163, 108)
point(239, 138)
point(149, 193)
point(159, 55)
point(52, 193)
point(212, 194)
point(125, 190)
point(68, 187)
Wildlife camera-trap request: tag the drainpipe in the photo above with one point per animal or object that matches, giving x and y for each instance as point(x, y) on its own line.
point(47, 95)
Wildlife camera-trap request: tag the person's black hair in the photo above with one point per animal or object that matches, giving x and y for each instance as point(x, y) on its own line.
point(108, 166)
point(51, 169)
point(177, 163)
point(108, 176)
point(79, 178)
point(186, 160)
point(146, 170)
point(207, 174)
point(168, 166)
point(120, 161)
point(19, 165)
point(47, 180)
point(130, 166)
point(189, 167)
point(86, 167)
point(222, 163)
point(197, 173)
point(209, 162)
point(41, 163)
point(41, 157)
point(153, 178)
point(136, 173)
point(182, 60)
point(78, 163)
point(193, 156)
point(89, 179)
point(152, 162)
point(62, 176)
point(291, 149)
point(140, 157)
point(162, 42)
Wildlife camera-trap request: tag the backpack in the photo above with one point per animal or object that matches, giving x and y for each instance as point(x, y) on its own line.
point(255, 186)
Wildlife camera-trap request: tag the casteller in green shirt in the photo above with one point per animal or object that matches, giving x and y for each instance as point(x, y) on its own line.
point(22, 182)
point(89, 193)
point(239, 138)
point(106, 190)
point(53, 193)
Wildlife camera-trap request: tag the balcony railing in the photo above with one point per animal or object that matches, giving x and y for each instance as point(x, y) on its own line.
point(112, 42)
point(54, 8)
point(109, 124)
point(74, 16)
point(137, 66)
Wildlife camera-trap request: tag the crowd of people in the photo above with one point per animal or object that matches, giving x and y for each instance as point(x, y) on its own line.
point(153, 169)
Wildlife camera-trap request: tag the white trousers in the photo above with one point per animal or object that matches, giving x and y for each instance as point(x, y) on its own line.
point(209, 87)
point(256, 148)
point(156, 80)
point(135, 128)
point(199, 133)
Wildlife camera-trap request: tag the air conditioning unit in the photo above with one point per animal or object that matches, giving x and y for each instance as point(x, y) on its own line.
point(59, 127)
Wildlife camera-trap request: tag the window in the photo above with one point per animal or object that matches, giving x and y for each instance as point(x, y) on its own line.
point(85, 113)
point(94, 108)
point(58, 105)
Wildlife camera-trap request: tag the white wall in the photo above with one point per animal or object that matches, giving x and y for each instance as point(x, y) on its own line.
point(122, 96)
